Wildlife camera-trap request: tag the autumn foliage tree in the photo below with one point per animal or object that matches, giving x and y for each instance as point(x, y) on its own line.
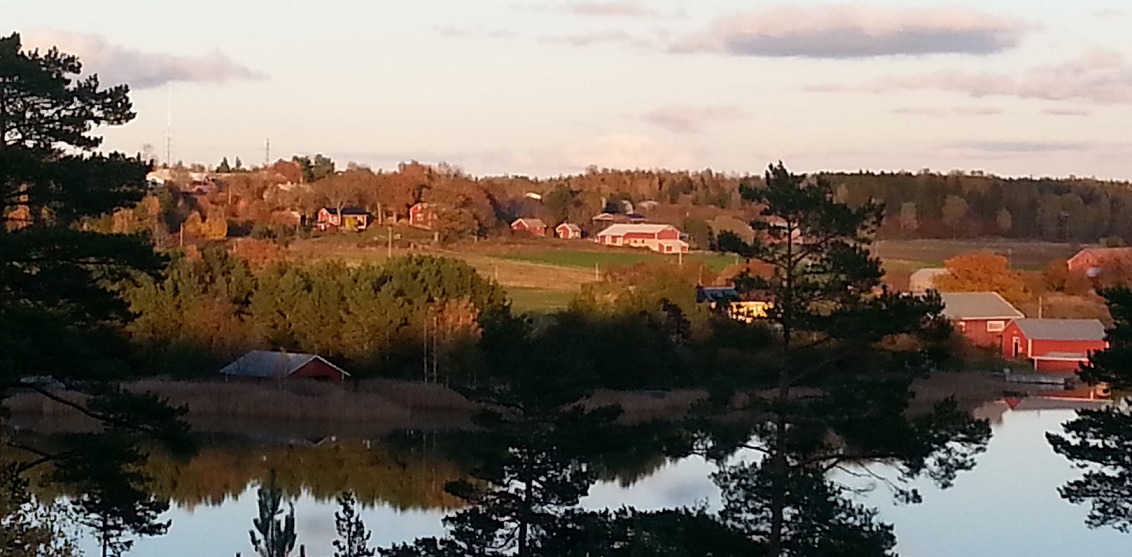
point(982, 272)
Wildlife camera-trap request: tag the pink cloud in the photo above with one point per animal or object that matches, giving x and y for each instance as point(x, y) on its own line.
point(855, 31)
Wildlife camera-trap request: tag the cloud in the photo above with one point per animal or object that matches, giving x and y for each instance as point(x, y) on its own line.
point(692, 119)
point(140, 70)
point(599, 37)
point(992, 149)
point(948, 111)
point(1066, 112)
point(1103, 76)
point(627, 9)
point(855, 31)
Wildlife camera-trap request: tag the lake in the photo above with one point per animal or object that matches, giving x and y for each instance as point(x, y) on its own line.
point(1008, 505)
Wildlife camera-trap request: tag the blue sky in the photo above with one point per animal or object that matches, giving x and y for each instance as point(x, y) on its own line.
point(542, 87)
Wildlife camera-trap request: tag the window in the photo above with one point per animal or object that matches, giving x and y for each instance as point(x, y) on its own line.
point(995, 326)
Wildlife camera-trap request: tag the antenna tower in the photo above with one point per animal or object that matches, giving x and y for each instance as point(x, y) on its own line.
point(169, 127)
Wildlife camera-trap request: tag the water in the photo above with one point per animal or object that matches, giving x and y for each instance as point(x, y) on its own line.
point(1008, 505)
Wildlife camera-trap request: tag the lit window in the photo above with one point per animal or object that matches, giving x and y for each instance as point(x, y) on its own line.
point(995, 326)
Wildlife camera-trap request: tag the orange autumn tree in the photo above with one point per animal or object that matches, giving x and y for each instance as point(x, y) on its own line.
point(982, 272)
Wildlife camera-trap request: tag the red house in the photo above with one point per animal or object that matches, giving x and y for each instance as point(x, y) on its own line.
point(531, 226)
point(660, 238)
point(348, 218)
point(262, 365)
point(980, 316)
point(422, 215)
point(568, 231)
point(1060, 345)
point(1090, 260)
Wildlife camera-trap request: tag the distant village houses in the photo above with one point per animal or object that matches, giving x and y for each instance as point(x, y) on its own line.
point(661, 238)
point(618, 218)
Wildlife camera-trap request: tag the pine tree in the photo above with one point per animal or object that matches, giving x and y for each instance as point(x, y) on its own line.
point(1100, 441)
point(274, 533)
point(853, 347)
point(224, 167)
point(352, 535)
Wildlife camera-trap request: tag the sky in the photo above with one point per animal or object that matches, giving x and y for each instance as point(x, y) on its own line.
point(545, 87)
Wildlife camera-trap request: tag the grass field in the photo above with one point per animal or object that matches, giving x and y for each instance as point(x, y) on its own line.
point(589, 259)
point(539, 300)
point(932, 253)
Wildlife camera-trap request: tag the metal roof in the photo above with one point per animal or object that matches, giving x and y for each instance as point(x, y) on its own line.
point(271, 365)
point(977, 305)
point(1061, 329)
point(530, 222)
point(622, 229)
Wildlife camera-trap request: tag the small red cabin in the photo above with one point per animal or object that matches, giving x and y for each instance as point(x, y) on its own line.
point(568, 231)
point(1059, 345)
point(531, 226)
point(422, 215)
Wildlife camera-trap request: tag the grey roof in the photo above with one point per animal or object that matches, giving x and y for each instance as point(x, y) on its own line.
point(1062, 329)
point(271, 365)
point(977, 305)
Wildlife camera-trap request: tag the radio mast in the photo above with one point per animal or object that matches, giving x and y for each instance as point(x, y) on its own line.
point(169, 127)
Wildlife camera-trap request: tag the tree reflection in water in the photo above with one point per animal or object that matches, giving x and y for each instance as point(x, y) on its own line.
point(1100, 441)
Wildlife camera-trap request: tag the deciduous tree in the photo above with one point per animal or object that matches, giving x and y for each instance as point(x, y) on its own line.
point(982, 272)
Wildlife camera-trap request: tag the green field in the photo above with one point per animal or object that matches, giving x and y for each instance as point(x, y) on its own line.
point(590, 259)
point(539, 300)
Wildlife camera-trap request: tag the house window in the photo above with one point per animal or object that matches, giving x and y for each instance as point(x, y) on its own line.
point(996, 326)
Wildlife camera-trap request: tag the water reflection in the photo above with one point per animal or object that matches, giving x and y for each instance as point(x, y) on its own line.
point(1007, 505)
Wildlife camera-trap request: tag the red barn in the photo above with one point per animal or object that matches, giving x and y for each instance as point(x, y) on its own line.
point(1090, 260)
point(660, 238)
point(568, 231)
point(530, 226)
point(422, 215)
point(262, 364)
point(1053, 344)
point(980, 316)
